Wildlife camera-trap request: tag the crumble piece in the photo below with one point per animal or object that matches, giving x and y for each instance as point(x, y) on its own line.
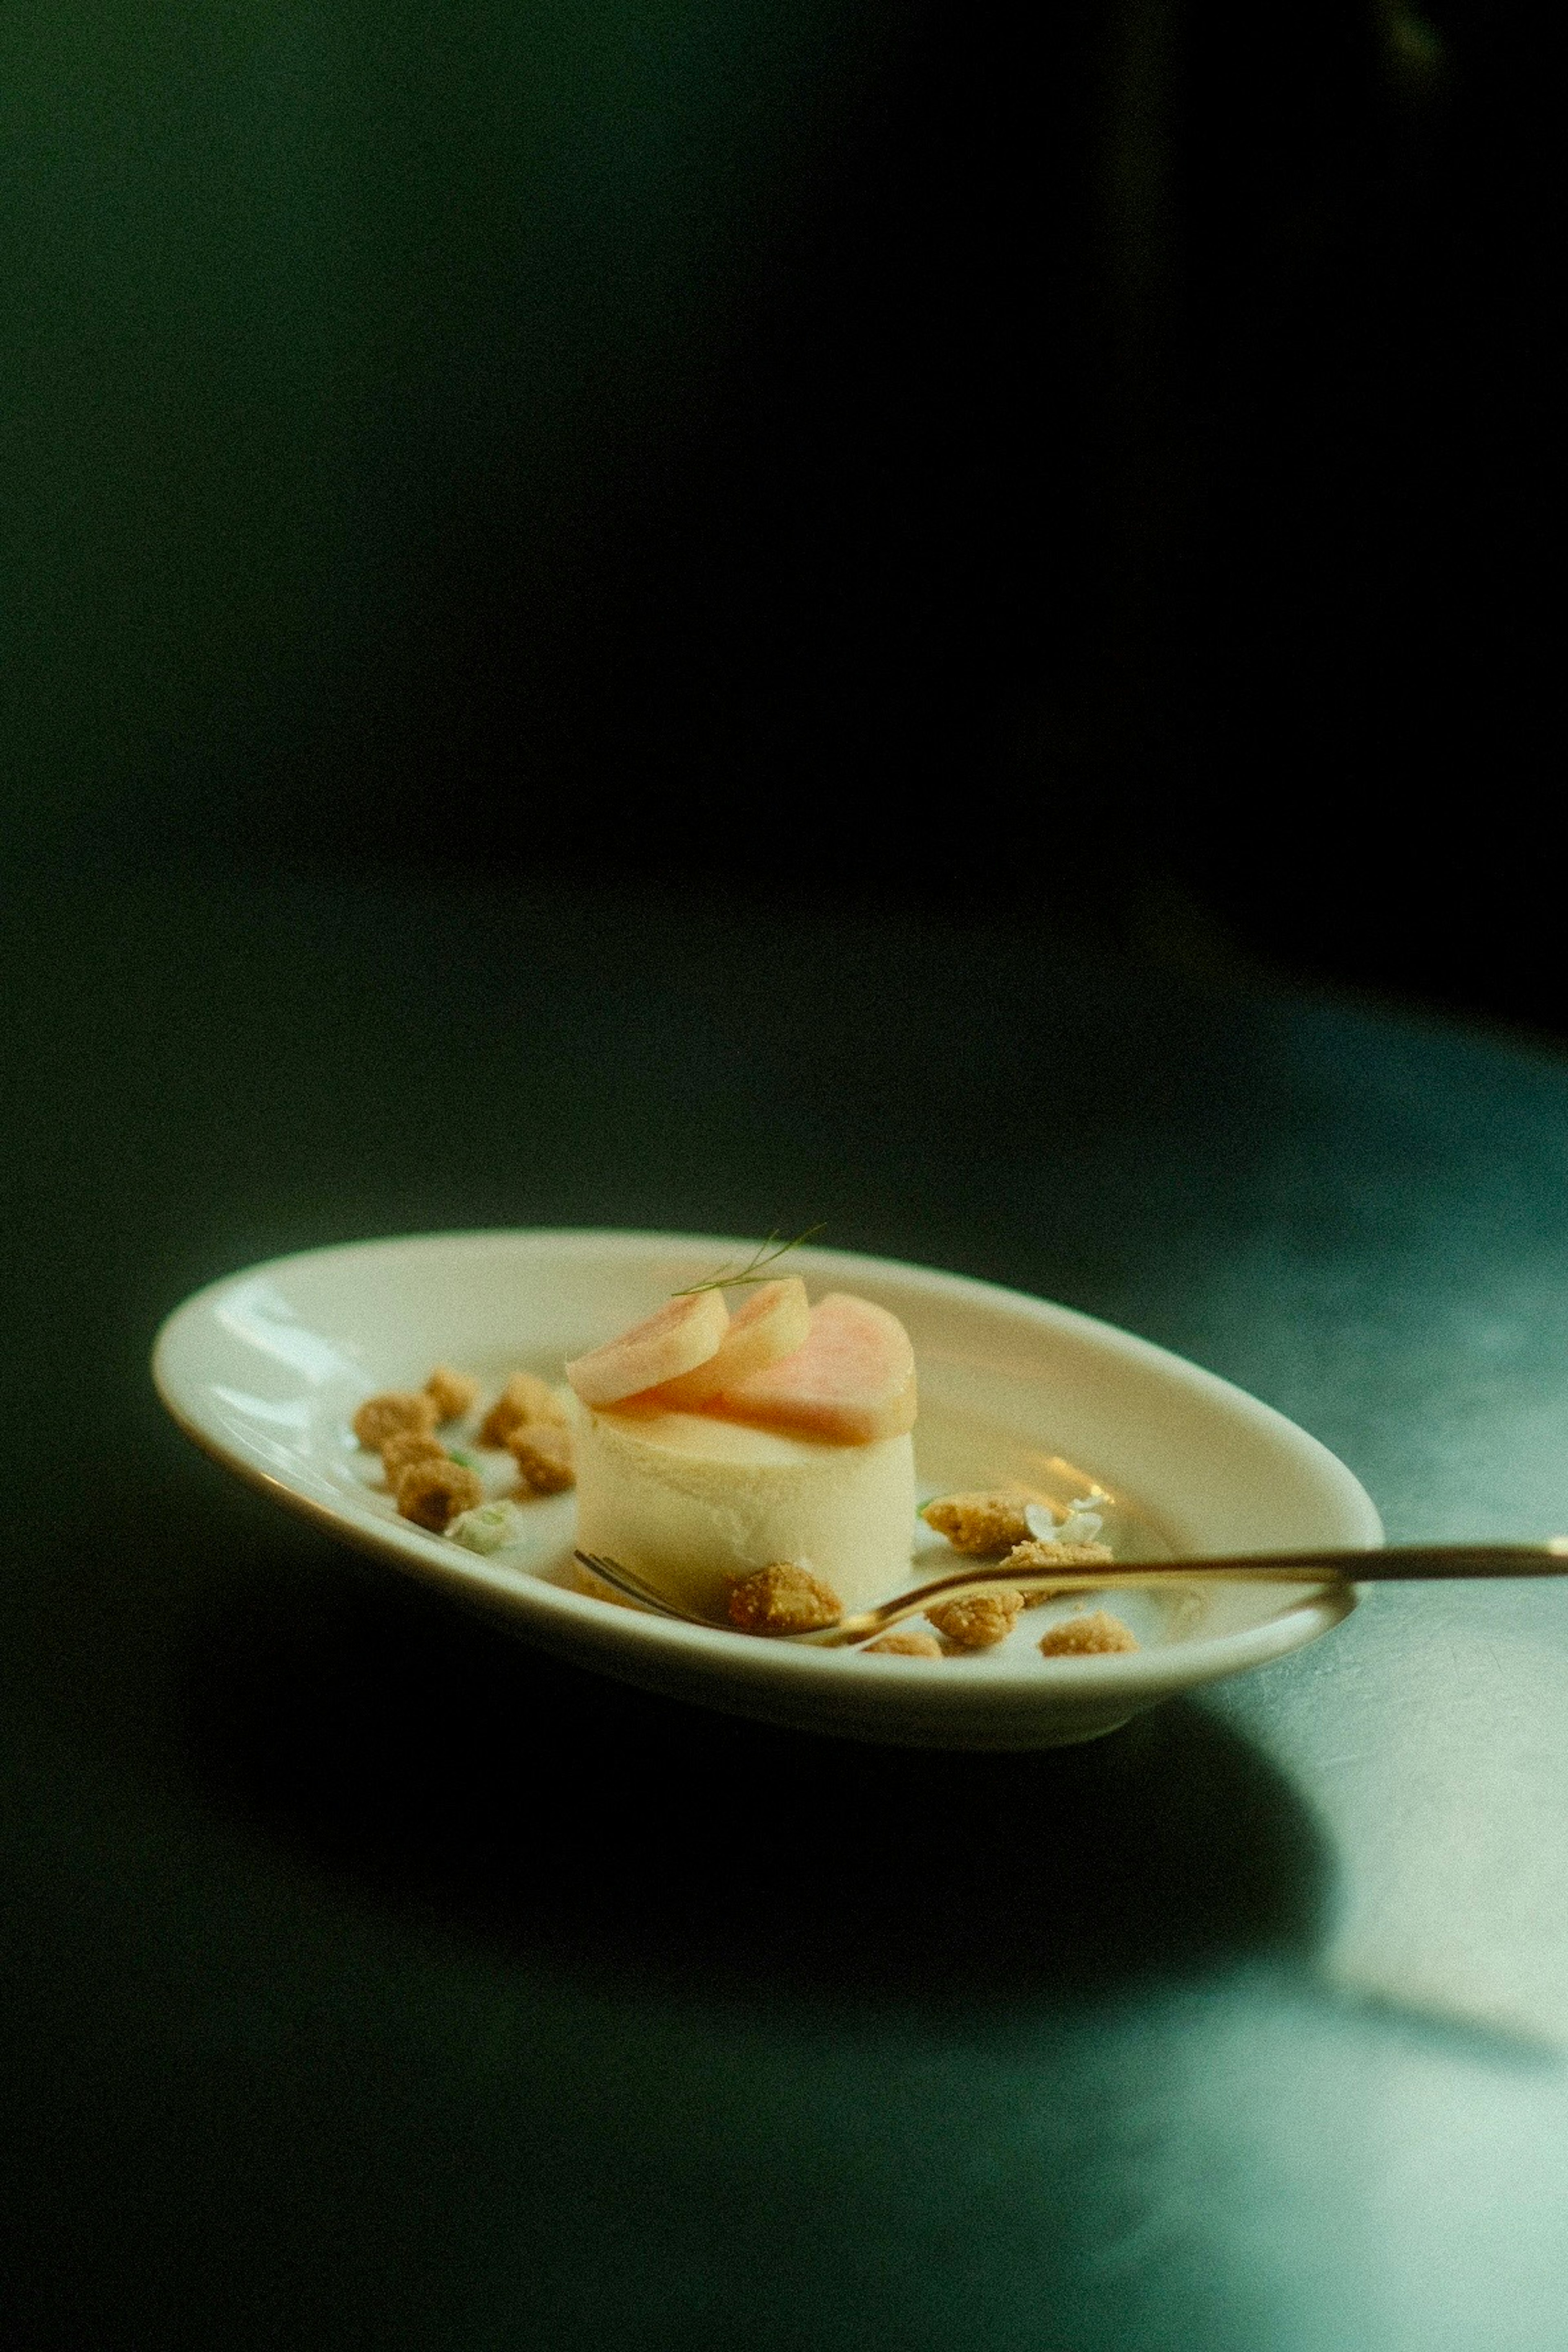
point(904, 1645)
point(783, 1598)
point(1095, 1634)
point(525, 1398)
point(432, 1494)
point(489, 1527)
point(381, 1417)
point(542, 1452)
point(975, 1621)
point(1031, 1558)
point(406, 1446)
point(454, 1392)
point(992, 1521)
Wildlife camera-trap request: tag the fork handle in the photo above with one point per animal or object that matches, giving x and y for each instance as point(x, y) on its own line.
point(1386, 1564)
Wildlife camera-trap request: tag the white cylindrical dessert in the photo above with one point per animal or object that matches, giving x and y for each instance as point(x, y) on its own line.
point(691, 1503)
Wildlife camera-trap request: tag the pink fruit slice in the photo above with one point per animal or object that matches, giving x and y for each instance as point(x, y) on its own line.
point(853, 1381)
point(773, 1323)
point(682, 1334)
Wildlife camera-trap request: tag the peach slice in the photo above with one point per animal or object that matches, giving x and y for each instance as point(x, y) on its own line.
point(773, 1323)
point(853, 1381)
point(676, 1339)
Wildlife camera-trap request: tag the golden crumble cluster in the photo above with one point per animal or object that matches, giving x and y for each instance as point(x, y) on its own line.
point(432, 1493)
point(1094, 1634)
point(994, 1522)
point(978, 1621)
point(980, 1523)
point(525, 1400)
point(452, 1393)
point(430, 1485)
point(1040, 1559)
point(542, 1452)
point(406, 1446)
point(783, 1598)
point(394, 1414)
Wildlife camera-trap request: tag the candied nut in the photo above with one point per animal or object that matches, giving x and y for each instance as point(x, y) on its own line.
point(904, 1645)
point(381, 1417)
point(433, 1493)
point(542, 1452)
point(1094, 1634)
point(454, 1392)
point(406, 1446)
point(525, 1398)
point(978, 1620)
point(992, 1521)
point(1030, 1559)
point(783, 1598)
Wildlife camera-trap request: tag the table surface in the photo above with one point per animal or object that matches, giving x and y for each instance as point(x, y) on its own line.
point(372, 1981)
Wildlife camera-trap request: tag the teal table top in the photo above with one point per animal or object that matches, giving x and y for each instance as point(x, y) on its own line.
point(372, 1981)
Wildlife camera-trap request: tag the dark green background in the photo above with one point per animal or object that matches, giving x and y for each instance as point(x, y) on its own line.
point(690, 436)
point(417, 431)
point(292, 291)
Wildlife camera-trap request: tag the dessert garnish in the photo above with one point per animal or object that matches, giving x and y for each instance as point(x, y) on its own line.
point(1010, 1523)
point(767, 1254)
point(405, 1446)
point(1094, 1634)
point(525, 1398)
point(1072, 1542)
point(454, 1393)
point(489, 1526)
point(432, 1494)
point(678, 1337)
point(1080, 1525)
point(381, 1417)
point(773, 1323)
point(992, 1521)
point(978, 1621)
point(542, 1452)
point(1038, 1558)
point(783, 1598)
point(434, 1485)
point(852, 1383)
point(995, 1520)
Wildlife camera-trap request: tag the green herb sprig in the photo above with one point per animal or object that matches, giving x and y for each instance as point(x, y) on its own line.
point(754, 1269)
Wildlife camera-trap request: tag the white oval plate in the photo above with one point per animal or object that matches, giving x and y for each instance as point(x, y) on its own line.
point(265, 1369)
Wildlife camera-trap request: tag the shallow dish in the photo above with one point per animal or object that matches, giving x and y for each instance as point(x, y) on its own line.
point(264, 1370)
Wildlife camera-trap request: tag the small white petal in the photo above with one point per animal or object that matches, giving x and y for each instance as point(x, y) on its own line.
point(489, 1526)
point(1080, 1527)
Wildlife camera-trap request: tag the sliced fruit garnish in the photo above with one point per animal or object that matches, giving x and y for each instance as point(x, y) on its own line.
point(853, 1381)
point(773, 1323)
point(681, 1335)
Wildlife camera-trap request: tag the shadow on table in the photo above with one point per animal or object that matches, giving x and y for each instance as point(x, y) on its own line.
point(445, 1766)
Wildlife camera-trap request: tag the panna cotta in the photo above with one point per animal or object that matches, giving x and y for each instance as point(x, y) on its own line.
point(779, 1435)
point(692, 1503)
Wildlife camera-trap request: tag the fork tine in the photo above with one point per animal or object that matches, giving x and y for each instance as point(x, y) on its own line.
point(611, 1573)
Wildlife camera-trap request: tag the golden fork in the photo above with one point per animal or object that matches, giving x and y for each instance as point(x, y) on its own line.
point(1391, 1564)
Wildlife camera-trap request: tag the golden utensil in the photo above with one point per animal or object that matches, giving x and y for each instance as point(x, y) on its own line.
point(1389, 1564)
